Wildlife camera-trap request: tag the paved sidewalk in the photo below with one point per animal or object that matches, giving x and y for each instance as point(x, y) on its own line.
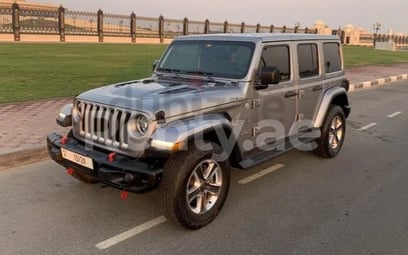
point(24, 126)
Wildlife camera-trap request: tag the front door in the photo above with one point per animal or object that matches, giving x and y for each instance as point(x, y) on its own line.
point(275, 107)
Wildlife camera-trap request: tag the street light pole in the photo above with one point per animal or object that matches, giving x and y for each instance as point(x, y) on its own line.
point(376, 28)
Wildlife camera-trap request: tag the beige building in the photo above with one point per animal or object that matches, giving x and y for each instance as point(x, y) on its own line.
point(352, 35)
point(27, 5)
point(322, 28)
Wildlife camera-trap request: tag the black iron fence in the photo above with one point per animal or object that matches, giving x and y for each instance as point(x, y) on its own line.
point(399, 40)
point(17, 20)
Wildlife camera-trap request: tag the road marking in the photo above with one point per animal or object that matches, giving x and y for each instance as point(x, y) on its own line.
point(261, 173)
point(395, 114)
point(367, 127)
point(130, 233)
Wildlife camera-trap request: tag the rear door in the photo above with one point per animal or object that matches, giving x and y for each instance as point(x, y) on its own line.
point(309, 80)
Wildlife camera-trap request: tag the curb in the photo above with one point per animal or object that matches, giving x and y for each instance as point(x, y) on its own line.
point(23, 157)
point(377, 82)
point(29, 156)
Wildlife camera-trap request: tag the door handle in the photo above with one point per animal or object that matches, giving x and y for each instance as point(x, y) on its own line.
point(291, 94)
point(317, 88)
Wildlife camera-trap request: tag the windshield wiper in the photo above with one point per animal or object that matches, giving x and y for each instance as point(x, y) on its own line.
point(172, 71)
point(208, 75)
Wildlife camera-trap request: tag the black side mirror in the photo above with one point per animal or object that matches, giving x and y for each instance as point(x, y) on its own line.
point(156, 62)
point(270, 75)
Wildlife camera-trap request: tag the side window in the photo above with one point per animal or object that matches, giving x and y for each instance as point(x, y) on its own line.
point(308, 60)
point(277, 56)
point(332, 58)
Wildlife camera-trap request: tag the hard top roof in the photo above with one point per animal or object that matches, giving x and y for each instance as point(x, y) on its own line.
point(256, 37)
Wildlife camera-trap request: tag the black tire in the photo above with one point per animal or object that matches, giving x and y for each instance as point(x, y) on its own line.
point(84, 177)
point(181, 173)
point(333, 132)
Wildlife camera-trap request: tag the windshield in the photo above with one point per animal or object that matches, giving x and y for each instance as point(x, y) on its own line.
point(222, 59)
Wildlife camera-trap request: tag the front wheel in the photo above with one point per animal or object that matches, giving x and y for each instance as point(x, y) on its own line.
point(194, 187)
point(333, 132)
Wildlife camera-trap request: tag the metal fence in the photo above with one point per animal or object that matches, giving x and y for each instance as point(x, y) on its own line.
point(399, 40)
point(116, 25)
point(80, 23)
point(16, 20)
point(6, 20)
point(147, 27)
point(38, 21)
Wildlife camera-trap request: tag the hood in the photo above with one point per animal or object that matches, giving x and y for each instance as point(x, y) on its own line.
point(172, 97)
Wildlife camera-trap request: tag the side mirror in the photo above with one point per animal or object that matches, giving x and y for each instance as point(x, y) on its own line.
point(156, 62)
point(270, 75)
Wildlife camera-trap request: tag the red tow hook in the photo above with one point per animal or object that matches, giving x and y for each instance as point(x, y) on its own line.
point(124, 195)
point(70, 171)
point(64, 140)
point(111, 157)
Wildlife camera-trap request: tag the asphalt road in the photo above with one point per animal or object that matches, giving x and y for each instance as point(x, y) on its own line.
point(356, 203)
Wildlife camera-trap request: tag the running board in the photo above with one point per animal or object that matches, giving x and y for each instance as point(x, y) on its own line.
point(271, 152)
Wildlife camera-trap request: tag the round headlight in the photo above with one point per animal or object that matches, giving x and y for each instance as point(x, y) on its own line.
point(142, 124)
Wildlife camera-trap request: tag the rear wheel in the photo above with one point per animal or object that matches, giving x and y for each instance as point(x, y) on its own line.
point(194, 187)
point(333, 132)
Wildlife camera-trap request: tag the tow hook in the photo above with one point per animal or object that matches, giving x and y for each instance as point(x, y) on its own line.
point(124, 195)
point(70, 171)
point(111, 157)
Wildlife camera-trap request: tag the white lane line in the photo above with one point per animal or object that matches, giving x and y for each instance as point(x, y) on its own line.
point(130, 233)
point(261, 173)
point(367, 127)
point(395, 114)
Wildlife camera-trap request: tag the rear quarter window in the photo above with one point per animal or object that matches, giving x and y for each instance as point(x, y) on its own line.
point(332, 57)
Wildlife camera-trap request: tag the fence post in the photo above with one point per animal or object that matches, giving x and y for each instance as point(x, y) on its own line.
point(271, 28)
point(258, 27)
point(343, 37)
point(185, 26)
point(16, 21)
point(161, 28)
point(284, 29)
point(206, 26)
point(100, 25)
point(225, 26)
point(133, 27)
point(242, 27)
point(61, 23)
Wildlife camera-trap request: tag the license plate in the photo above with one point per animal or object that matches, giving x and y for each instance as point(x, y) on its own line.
point(77, 158)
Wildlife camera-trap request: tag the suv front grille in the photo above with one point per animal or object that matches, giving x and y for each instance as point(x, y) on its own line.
point(103, 124)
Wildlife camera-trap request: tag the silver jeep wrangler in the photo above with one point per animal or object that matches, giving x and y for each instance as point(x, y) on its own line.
point(212, 103)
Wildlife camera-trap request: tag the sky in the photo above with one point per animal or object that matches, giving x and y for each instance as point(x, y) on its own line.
point(391, 14)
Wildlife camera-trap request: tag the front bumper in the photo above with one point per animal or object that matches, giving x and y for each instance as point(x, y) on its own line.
point(124, 173)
